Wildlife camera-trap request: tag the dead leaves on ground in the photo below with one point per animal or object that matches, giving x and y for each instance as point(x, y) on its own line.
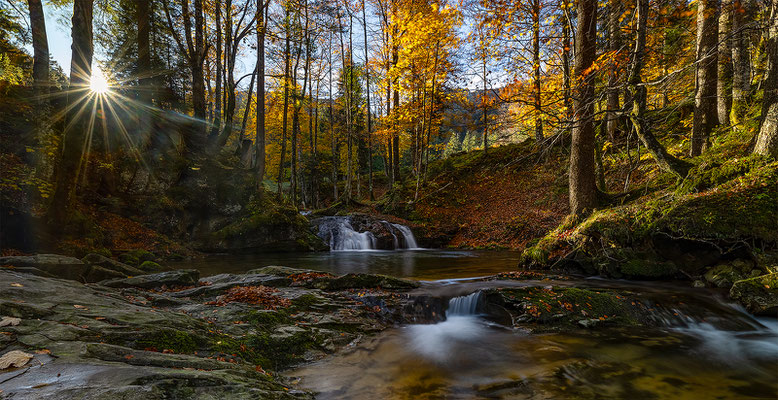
point(15, 358)
point(258, 295)
point(10, 321)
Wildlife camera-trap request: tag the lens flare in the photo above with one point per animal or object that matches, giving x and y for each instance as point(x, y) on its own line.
point(98, 84)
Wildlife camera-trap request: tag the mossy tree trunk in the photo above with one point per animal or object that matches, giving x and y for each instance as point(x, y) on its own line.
point(767, 141)
point(705, 113)
point(638, 95)
point(724, 82)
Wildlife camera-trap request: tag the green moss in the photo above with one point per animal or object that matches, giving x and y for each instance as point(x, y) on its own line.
point(567, 306)
point(150, 266)
point(648, 269)
point(169, 339)
point(279, 350)
point(136, 257)
point(267, 320)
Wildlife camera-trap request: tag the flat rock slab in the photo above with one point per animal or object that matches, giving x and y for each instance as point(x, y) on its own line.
point(182, 277)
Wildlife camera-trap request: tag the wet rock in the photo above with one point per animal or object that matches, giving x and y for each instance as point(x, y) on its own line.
point(107, 263)
point(57, 265)
point(96, 273)
point(183, 277)
point(368, 281)
point(758, 295)
point(724, 275)
point(150, 266)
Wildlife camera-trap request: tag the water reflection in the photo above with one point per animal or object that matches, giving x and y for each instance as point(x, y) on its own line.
point(418, 264)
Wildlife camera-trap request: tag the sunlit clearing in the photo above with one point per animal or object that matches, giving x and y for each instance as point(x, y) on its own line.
point(98, 84)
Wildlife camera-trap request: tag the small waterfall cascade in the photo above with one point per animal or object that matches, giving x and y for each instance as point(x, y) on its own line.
point(410, 240)
point(464, 305)
point(341, 234)
point(338, 232)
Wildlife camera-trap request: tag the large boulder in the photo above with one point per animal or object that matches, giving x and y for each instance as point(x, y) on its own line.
point(54, 264)
point(758, 295)
point(182, 277)
point(107, 263)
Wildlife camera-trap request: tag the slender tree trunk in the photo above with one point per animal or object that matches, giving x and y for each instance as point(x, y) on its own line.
point(78, 125)
point(368, 109)
point(40, 46)
point(583, 189)
point(286, 104)
point(536, 70)
point(705, 113)
point(218, 92)
point(638, 95)
point(395, 131)
point(614, 43)
point(335, 153)
point(566, 48)
point(485, 102)
point(741, 63)
point(767, 140)
point(260, 140)
point(724, 82)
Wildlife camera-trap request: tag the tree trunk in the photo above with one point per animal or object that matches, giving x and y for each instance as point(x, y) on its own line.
point(260, 140)
point(638, 95)
point(369, 121)
point(40, 46)
point(484, 100)
point(612, 115)
point(767, 141)
point(724, 82)
point(78, 123)
point(583, 189)
point(536, 70)
point(395, 132)
point(705, 113)
point(566, 47)
point(217, 117)
point(284, 124)
point(741, 63)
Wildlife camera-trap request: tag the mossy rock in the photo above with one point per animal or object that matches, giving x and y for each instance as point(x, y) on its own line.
point(648, 269)
point(758, 295)
point(367, 281)
point(136, 257)
point(724, 275)
point(150, 266)
point(560, 306)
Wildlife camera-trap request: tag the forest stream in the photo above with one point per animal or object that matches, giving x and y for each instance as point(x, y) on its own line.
point(697, 345)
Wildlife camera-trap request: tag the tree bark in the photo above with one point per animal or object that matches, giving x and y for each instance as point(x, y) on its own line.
point(767, 141)
point(40, 46)
point(566, 48)
point(724, 82)
point(536, 70)
point(705, 112)
point(260, 139)
point(367, 110)
point(583, 189)
point(78, 123)
point(638, 94)
point(614, 45)
point(284, 124)
point(741, 63)
point(217, 117)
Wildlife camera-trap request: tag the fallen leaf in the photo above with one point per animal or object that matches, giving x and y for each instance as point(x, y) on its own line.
point(17, 284)
point(10, 321)
point(43, 351)
point(14, 358)
point(80, 307)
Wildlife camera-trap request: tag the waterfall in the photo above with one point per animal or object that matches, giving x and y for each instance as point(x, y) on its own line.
point(464, 305)
point(410, 240)
point(340, 235)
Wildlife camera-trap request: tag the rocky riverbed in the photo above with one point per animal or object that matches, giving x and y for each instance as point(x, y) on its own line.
point(174, 334)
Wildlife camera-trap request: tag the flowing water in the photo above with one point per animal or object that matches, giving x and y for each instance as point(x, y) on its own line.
point(467, 356)
point(701, 347)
